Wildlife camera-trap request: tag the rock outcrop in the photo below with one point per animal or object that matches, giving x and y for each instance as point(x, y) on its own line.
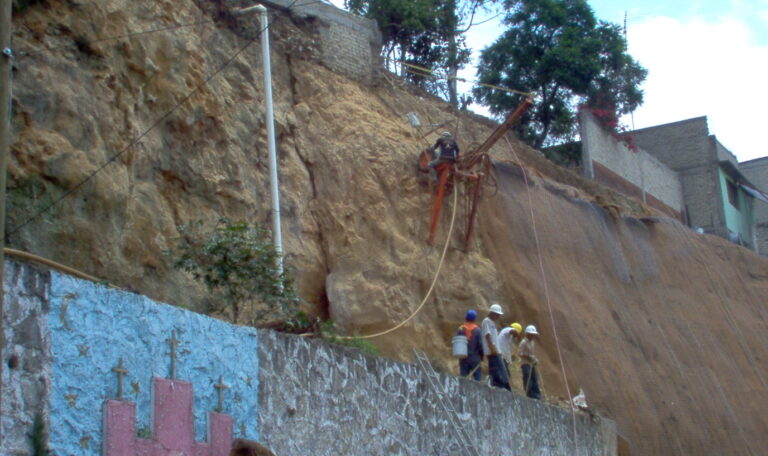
point(664, 329)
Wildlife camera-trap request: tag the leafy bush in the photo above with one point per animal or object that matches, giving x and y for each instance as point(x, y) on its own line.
point(239, 262)
point(329, 334)
point(301, 323)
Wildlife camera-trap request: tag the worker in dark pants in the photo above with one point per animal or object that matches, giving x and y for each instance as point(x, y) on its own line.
point(509, 340)
point(470, 366)
point(529, 363)
point(445, 151)
point(490, 331)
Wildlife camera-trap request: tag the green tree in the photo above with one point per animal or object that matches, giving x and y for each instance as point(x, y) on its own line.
point(406, 27)
point(425, 33)
point(558, 50)
point(238, 261)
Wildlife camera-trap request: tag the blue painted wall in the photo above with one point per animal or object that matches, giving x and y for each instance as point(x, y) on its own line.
point(93, 326)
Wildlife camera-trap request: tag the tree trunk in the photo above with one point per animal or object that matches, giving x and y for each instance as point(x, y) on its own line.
point(453, 70)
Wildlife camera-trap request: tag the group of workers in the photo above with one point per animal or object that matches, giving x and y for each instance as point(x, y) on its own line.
point(501, 349)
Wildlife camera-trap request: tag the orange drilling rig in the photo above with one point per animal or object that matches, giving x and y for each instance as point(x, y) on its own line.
point(473, 168)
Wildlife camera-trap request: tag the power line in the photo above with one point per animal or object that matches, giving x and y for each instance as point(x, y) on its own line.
point(127, 35)
point(312, 2)
point(142, 135)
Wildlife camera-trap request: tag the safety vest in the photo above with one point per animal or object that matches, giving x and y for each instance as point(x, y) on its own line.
point(468, 328)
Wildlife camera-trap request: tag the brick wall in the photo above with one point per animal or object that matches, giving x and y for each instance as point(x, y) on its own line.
point(679, 145)
point(757, 173)
point(348, 51)
point(703, 199)
point(608, 160)
point(688, 148)
point(350, 44)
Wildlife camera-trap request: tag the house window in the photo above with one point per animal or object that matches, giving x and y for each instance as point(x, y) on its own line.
point(733, 194)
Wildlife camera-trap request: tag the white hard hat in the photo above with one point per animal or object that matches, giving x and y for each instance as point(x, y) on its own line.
point(530, 329)
point(495, 308)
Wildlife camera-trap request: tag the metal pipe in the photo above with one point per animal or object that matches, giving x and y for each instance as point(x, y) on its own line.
point(270, 118)
point(247, 10)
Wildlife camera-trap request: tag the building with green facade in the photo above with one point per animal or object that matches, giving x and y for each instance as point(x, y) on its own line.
point(718, 197)
point(757, 172)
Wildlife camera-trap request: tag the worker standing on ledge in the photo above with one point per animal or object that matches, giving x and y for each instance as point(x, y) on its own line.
point(445, 151)
point(529, 363)
point(496, 369)
point(509, 338)
point(470, 366)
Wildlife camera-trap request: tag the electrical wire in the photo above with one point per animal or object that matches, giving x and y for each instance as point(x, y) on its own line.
point(434, 279)
point(427, 72)
point(143, 134)
point(118, 37)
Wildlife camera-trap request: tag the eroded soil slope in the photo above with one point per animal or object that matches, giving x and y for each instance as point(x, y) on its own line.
point(664, 329)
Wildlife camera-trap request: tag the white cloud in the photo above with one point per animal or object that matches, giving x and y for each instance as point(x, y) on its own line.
point(699, 67)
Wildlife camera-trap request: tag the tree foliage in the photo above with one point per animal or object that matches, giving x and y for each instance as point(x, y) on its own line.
point(558, 50)
point(424, 33)
point(238, 261)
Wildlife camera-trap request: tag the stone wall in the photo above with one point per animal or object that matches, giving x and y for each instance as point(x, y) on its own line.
point(350, 44)
point(295, 395)
point(26, 356)
point(378, 406)
point(637, 174)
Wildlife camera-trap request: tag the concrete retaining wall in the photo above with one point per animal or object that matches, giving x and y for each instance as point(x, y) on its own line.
point(609, 161)
point(295, 395)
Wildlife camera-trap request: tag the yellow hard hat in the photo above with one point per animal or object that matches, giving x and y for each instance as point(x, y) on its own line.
point(517, 327)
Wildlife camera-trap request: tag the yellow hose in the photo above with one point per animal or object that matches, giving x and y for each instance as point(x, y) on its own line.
point(434, 280)
point(54, 265)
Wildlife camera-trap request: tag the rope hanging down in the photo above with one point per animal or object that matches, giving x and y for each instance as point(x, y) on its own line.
point(415, 69)
point(434, 280)
point(546, 292)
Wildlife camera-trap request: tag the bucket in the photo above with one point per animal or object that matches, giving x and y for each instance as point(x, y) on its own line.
point(459, 346)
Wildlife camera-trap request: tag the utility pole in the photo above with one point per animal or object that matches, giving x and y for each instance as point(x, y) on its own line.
point(6, 65)
point(277, 233)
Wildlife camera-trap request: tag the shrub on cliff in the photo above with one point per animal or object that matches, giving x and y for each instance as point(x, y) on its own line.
point(237, 261)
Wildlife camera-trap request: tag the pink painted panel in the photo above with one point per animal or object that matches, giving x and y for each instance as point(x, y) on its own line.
point(173, 426)
point(120, 428)
point(173, 421)
point(220, 433)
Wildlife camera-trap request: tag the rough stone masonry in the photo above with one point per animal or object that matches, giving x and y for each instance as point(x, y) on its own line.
point(294, 395)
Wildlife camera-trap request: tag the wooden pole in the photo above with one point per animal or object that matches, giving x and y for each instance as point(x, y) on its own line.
point(6, 65)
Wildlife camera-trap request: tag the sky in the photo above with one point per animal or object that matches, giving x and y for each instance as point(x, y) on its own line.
point(704, 58)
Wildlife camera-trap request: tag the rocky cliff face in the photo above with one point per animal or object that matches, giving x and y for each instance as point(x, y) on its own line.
point(664, 329)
